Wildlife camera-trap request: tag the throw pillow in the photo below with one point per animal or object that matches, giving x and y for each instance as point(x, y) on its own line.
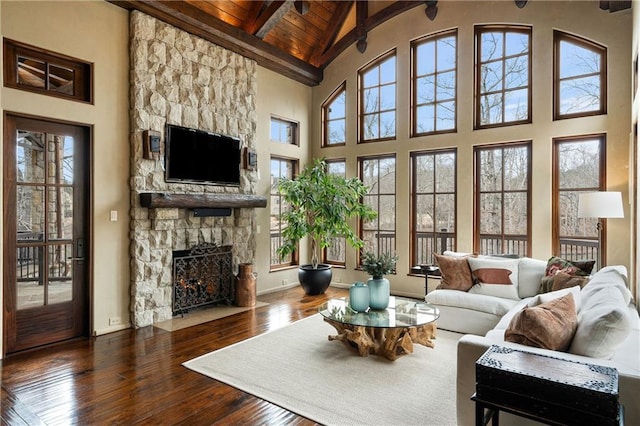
point(495, 277)
point(455, 272)
point(580, 268)
point(563, 280)
point(549, 325)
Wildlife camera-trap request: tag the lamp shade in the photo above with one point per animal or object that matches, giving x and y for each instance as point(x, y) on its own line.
point(603, 204)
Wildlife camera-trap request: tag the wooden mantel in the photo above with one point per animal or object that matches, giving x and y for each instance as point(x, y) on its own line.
point(155, 200)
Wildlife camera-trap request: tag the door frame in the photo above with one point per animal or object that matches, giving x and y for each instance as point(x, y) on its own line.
point(88, 164)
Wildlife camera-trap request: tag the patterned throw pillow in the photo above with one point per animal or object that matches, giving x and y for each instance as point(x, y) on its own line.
point(550, 325)
point(455, 272)
point(555, 265)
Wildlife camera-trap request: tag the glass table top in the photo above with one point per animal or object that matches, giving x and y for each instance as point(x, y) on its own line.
point(400, 313)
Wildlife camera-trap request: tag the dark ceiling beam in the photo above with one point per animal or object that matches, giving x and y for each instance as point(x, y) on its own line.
point(371, 22)
point(191, 19)
point(615, 5)
point(362, 13)
point(270, 17)
point(335, 25)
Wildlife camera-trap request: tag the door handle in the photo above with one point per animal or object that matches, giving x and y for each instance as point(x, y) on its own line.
point(75, 258)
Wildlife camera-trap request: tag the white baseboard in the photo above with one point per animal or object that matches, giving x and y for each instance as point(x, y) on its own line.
point(111, 329)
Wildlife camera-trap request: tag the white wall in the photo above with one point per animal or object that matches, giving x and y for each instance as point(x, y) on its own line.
point(582, 18)
point(97, 32)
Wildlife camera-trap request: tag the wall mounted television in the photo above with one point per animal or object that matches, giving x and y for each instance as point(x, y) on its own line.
point(196, 156)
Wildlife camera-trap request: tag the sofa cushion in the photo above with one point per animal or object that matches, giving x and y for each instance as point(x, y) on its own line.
point(530, 272)
point(603, 322)
point(476, 302)
point(610, 276)
point(496, 277)
point(455, 272)
point(548, 297)
point(550, 325)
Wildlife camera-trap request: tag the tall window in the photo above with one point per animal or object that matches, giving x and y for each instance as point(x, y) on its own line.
point(334, 118)
point(503, 199)
point(503, 76)
point(434, 84)
point(578, 166)
point(379, 175)
point(378, 99)
point(335, 254)
point(284, 131)
point(433, 204)
point(280, 168)
point(579, 76)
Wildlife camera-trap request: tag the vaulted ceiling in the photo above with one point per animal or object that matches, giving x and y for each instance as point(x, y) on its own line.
point(292, 37)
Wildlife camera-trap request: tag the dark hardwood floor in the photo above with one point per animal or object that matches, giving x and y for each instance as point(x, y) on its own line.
point(136, 377)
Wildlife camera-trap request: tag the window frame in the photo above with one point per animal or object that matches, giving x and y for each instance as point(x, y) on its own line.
point(343, 242)
point(555, 202)
point(361, 160)
point(294, 125)
point(558, 37)
point(295, 167)
point(82, 71)
point(477, 218)
point(478, 31)
point(325, 116)
point(414, 76)
point(361, 89)
point(413, 250)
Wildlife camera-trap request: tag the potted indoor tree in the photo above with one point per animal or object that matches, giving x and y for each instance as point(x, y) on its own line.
point(320, 205)
point(378, 266)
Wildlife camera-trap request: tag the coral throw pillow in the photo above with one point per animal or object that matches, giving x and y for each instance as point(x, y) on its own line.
point(550, 325)
point(455, 271)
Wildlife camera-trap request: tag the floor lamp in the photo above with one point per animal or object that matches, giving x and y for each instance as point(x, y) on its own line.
point(601, 205)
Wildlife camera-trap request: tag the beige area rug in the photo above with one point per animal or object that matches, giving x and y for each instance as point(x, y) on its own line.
point(200, 316)
point(297, 368)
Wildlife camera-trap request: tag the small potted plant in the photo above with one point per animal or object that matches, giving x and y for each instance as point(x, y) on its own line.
point(378, 266)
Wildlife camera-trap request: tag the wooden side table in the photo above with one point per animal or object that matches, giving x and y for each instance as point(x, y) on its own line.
point(546, 389)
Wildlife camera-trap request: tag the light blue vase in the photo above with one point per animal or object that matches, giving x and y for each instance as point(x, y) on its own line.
point(359, 297)
point(379, 291)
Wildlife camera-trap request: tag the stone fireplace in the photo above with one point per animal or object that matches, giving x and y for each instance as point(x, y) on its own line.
point(181, 79)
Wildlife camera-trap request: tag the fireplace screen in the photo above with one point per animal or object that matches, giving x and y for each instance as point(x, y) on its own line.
point(202, 276)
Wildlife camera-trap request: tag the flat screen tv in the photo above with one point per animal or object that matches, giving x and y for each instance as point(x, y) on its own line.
point(196, 156)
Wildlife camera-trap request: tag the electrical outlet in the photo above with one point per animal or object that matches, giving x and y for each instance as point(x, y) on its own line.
point(338, 279)
point(285, 282)
point(114, 321)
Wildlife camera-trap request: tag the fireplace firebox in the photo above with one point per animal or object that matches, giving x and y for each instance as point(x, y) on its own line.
point(202, 276)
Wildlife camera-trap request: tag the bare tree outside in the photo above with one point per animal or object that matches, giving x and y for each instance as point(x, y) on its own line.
point(580, 76)
point(435, 83)
point(335, 115)
point(503, 83)
point(379, 175)
point(378, 100)
point(336, 252)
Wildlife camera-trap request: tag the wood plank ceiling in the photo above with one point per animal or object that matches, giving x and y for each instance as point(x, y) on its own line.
point(292, 37)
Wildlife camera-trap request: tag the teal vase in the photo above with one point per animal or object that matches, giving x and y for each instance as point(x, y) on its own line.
point(359, 297)
point(379, 291)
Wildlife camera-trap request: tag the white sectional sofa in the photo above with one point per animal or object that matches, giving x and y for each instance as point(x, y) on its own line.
point(608, 331)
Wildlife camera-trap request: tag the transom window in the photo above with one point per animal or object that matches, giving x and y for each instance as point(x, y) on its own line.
point(580, 76)
point(503, 76)
point(434, 84)
point(334, 118)
point(280, 168)
point(579, 165)
point(38, 70)
point(335, 254)
point(433, 204)
point(378, 99)
point(503, 199)
point(379, 175)
point(284, 131)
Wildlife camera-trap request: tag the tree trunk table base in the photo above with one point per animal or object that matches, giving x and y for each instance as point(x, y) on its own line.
point(390, 343)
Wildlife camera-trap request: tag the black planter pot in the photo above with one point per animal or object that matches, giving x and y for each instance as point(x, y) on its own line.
point(315, 281)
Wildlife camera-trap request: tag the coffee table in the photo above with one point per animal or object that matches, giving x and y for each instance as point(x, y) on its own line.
point(390, 332)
